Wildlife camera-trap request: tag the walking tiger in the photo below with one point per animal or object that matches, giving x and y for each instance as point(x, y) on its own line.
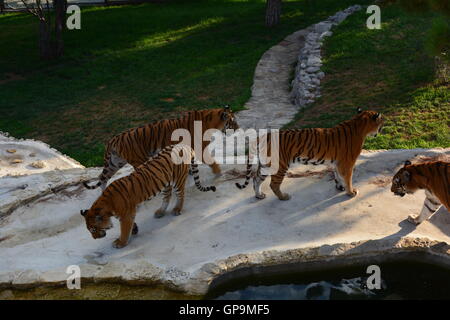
point(433, 176)
point(341, 145)
point(136, 145)
point(120, 198)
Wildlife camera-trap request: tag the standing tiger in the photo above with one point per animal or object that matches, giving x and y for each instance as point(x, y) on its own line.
point(341, 145)
point(121, 197)
point(432, 176)
point(136, 145)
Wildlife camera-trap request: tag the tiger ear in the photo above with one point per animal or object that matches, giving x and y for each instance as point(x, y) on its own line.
point(227, 108)
point(376, 116)
point(358, 110)
point(224, 116)
point(406, 176)
point(83, 212)
point(407, 163)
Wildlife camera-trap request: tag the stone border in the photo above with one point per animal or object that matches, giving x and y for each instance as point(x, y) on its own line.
point(306, 84)
point(271, 104)
point(212, 275)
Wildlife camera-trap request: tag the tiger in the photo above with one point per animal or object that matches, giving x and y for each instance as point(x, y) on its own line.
point(433, 176)
point(159, 174)
point(136, 145)
point(341, 145)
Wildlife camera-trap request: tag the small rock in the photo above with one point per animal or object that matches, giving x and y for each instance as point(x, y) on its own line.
point(322, 27)
point(33, 154)
point(314, 61)
point(312, 69)
point(315, 81)
point(37, 164)
point(326, 34)
point(11, 150)
point(15, 161)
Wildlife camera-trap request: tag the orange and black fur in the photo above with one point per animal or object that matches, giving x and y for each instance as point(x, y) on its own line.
point(341, 145)
point(121, 197)
point(433, 177)
point(136, 145)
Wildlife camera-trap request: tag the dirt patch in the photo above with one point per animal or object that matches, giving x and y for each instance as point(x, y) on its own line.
point(6, 238)
point(309, 173)
point(440, 157)
point(381, 181)
point(234, 174)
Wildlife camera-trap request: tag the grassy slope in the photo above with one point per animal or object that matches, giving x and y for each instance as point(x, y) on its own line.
point(385, 70)
point(134, 64)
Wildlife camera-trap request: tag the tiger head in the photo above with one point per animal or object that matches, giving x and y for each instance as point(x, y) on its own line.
point(371, 120)
point(223, 119)
point(402, 182)
point(98, 219)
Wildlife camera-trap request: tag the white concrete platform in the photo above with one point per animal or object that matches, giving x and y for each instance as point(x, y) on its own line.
point(217, 232)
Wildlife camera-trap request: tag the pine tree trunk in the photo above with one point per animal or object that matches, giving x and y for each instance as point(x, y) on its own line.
point(2, 5)
point(273, 12)
point(60, 18)
point(45, 45)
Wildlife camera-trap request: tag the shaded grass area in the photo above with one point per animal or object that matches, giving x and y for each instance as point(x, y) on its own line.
point(130, 65)
point(387, 70)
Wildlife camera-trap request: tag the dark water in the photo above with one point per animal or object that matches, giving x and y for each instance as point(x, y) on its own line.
point(406, 280)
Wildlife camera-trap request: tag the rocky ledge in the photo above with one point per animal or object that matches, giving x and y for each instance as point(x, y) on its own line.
point(219, 235)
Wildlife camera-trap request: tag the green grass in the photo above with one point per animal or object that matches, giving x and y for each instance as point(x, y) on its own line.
point(386, 70)
point(130, 65)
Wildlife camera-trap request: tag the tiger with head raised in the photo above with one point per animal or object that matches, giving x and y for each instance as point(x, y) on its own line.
point(433, 177)
point(164, 172)
point(136, 145)
point(341, 145)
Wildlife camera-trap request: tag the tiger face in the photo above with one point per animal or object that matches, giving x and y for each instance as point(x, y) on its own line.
point(372, 120)
point(98, 220)
point(227, 120)
point(402, 182)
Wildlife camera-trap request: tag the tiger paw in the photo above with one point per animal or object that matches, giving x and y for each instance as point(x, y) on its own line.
point(353, 193)
point(414, 218)
point(118, 244)
point(159, 213)
point(135, 229)
point(284, 196)
point(216, 169)
point(340, 187)
point(176, 212)
point(260, 196)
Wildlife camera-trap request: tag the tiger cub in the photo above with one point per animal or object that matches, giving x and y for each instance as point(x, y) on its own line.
point(121, 197)
point(432, 176)
point(341, 145)
point(136, 145)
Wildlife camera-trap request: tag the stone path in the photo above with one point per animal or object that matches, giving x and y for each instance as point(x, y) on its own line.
point(271, 104)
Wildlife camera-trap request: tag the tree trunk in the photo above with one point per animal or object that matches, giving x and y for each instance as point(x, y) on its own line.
point(2, 5)
point(60, 18)
point(273, 12)
point(45, 45)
